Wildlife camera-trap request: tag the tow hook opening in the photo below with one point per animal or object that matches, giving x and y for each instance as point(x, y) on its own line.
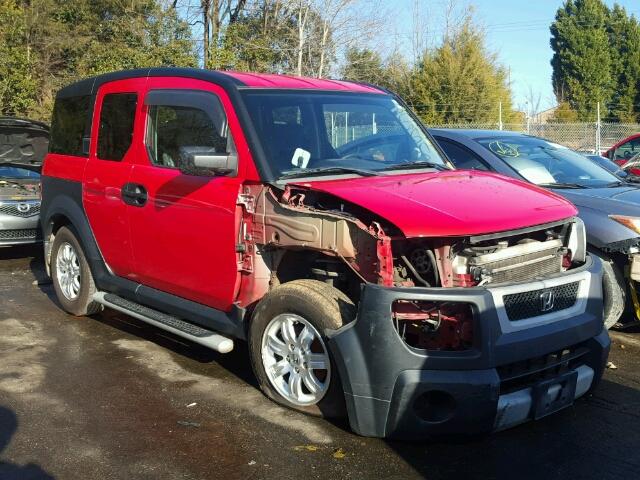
point(435, 406)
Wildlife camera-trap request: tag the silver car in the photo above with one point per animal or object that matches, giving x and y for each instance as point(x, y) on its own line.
point(23, 145)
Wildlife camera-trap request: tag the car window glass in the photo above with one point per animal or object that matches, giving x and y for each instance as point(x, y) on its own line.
point(17, 172)
point(299, 131)
point(460, 156)
point(627, 150)
point(69, 125)
point(543, 162)
point(116, 125)
point(173, 131)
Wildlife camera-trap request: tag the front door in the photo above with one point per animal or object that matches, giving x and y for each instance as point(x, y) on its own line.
point(184, 235)
point(112, 152)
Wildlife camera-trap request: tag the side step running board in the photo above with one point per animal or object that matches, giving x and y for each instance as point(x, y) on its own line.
point(169, 323)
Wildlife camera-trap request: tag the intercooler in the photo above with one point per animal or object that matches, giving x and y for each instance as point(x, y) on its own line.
point(526, 261)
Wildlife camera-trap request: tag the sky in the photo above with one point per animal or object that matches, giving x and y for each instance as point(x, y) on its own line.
point(518, 31)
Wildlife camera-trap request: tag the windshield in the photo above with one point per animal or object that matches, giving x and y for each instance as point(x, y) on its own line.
point(14, 173)
point(549, 164)
point(316, 133)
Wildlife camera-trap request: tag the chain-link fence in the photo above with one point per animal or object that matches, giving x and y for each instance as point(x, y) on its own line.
point(586, 137)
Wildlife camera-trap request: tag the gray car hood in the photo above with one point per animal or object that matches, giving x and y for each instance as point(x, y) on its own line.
point(23, 142)
point(596, 204)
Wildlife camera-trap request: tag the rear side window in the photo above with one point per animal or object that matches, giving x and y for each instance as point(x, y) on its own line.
point(461, 157)
point(116, 125)
point(71, 122)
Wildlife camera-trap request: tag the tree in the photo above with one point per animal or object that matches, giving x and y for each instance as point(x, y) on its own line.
point(364, 65)
point(46, 44)
point(564, 114)
point(460, 81)
point(582, 61)
point(17, 84)
point(624, 39)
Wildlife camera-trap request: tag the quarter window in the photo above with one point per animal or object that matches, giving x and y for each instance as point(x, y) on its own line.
point(70, 123)
point(116, 125)
point(179, 127)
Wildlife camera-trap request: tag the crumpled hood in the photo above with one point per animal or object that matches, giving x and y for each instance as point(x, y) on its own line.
point(23, 142)
point(453, 203)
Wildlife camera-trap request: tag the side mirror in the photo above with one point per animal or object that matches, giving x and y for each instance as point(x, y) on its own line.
point(205, 161)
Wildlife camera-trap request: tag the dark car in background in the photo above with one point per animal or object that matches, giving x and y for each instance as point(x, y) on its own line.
point(608, 205)
point(23, 146)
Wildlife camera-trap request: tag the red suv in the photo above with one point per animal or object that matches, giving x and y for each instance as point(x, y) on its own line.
point(318, 221)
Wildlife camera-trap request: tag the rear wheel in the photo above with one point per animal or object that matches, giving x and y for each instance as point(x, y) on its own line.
point(72, 279)
point(288, 347)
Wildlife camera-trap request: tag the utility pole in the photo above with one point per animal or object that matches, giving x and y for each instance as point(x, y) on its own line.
point(598, 131)
point(499, 115)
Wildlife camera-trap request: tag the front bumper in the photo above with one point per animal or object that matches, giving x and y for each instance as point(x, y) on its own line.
point(394, 390)
point(16, 230)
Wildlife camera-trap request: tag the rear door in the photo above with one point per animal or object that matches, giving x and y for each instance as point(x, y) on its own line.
point(112, 152)
point(184, 236)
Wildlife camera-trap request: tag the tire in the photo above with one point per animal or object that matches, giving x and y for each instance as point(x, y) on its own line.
point(614, 292)
point(303, 307)
point(72, 278)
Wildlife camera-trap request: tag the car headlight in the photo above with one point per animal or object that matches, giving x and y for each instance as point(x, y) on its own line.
point(578, 242)
point(632, 223)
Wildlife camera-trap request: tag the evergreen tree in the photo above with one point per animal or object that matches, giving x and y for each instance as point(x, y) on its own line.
point(624, 39)
point(582, 61)
point(461, 81)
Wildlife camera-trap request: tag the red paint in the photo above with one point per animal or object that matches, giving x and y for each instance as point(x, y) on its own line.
point(609, 153)
point(103, 181)
point(452, 203)
point(67, 167)
point(184, 238)
point(265, 80)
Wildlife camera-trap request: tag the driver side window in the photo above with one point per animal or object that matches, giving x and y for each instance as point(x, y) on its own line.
point(175, 128)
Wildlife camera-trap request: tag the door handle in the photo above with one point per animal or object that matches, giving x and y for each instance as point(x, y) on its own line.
point(134, 194)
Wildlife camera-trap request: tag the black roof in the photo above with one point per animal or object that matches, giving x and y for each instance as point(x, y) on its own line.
point(90, 85)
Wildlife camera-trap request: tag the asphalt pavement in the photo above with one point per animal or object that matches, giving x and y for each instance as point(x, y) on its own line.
point(108, 397)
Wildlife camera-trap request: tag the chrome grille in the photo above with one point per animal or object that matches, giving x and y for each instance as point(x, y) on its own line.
point(24, 234)
point(20, 209)
point(520, 306)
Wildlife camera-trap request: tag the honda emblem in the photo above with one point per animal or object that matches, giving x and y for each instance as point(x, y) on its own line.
point(546, 300)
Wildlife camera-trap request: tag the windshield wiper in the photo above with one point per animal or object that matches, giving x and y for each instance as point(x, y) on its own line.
point(408, 165)
point(561, 185)
point(327, 170)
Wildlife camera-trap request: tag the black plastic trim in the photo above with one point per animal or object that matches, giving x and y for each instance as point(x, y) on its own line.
point(373, 361)
point(64, 198)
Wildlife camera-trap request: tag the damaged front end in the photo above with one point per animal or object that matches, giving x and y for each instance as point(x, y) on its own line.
point(445, 323)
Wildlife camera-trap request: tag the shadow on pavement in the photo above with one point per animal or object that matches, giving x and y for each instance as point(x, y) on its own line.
point(235, 362)
point(596, 438)
point(10, 471)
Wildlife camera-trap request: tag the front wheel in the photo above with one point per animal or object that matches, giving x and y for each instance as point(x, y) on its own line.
point(289, 352)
